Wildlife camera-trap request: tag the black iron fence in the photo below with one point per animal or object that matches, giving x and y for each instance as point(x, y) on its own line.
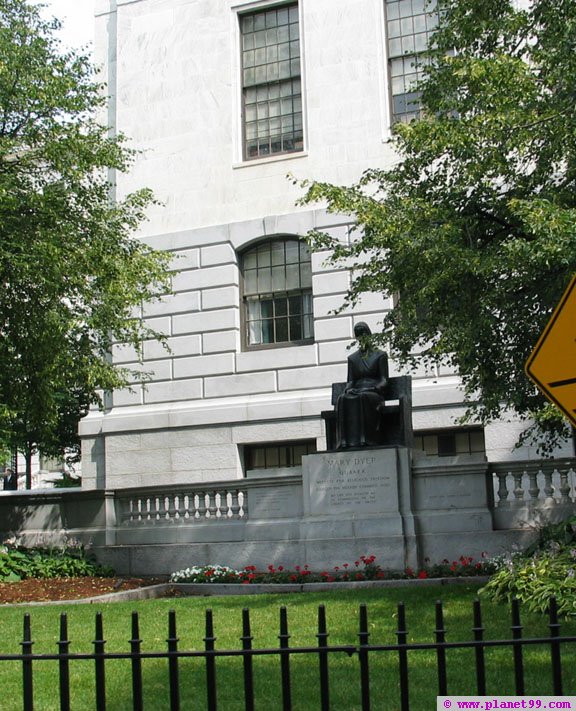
point(323, 652)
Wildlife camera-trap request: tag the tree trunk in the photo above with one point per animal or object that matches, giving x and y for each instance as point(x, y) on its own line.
point(28, 458)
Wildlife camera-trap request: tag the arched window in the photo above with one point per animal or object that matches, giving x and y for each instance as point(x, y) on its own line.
point(277, 293)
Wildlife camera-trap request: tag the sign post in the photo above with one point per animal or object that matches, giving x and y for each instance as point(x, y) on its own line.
point(552, 363)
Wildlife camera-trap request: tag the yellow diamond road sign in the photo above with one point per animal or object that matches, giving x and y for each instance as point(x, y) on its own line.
point(552, 364)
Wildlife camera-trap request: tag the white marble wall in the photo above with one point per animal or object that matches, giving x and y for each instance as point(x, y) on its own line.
point(172, 70)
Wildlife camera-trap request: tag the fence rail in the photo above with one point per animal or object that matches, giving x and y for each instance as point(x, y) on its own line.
point(363, 650)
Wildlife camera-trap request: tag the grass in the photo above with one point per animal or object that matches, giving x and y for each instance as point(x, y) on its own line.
point(342, 617)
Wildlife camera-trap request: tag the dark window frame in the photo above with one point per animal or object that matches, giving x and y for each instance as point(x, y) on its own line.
point(271, 81)
point(287, 456)
point(303, 292)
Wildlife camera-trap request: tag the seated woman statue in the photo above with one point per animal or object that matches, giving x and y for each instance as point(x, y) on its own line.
point(357, 409)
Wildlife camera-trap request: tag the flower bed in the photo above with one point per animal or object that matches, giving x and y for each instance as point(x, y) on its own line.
point(365, 568)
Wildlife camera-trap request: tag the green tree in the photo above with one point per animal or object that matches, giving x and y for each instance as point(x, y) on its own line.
point(73, 277)
point(475, 226)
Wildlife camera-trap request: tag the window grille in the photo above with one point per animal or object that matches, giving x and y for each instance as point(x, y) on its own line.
point(271, 82)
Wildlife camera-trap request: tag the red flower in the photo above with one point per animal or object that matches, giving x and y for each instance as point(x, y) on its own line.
point(271, 568)
point(297, 568)
point(345, 565)
point(293, 578)
point(422, 574)
point(280, 568)
point(409, 572)
point(359, 576)
point(380, 574)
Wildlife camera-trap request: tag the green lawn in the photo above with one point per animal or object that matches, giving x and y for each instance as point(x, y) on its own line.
point(342, 618)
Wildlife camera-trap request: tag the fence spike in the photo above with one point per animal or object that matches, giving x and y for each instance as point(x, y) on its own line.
point(478, 631)
point(440, 634)
point(100, 677)
point(402, 635)
point(209, 645)
point(64, 664)
point(284, 638)
point(517, 648)
point(322, 638)
point(246, 640)
point(27, 682)
point(554, 627)
point(363, 638)
point(173, 675)
point(135, 649)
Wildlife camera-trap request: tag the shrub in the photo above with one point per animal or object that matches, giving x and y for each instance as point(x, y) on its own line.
point(544, 570)
point(70, 561)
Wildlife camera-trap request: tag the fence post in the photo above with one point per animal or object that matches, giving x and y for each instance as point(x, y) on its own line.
point(440, 634)
point(478, 630)
point(173, 679)
point(246, 640)
point(99, 643)
point(284, 638)
point(554, 627)
point(322, 638)
point(64, 664)
point(402, 635)
point(517, 646)
point(209, 641)
point(363, 638)
point(135, 647)
point(27, 682)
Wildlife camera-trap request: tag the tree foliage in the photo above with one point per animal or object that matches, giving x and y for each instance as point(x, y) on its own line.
point(475, 227)
point(73, 277)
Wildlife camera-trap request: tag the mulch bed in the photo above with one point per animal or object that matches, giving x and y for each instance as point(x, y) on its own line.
point(44, 590)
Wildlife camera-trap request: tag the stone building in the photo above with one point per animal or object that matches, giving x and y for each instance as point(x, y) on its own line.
point(226, 98)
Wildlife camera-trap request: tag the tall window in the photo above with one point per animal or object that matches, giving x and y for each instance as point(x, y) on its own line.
point(271, 84)
point(409, 26)
point(277, 284)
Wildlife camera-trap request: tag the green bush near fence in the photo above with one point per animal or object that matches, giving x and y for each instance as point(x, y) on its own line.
point(546, 569)
point(70, 561)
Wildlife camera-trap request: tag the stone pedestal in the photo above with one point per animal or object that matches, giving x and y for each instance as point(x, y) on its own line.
point(358, 502)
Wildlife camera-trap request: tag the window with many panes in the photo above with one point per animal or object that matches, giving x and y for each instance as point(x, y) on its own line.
point(277, 292)
point(271, 83)
point(277, 455)
point(450, 443)
point(409, 24)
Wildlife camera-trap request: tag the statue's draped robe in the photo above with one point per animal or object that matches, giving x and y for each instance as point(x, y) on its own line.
point(357, 416)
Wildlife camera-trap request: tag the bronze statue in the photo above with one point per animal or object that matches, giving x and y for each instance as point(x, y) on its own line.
point(358, 409)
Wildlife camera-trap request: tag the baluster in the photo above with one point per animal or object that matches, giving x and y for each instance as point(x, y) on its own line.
point(228, 499)
point(187, 507)
point(234, 504)
point(140, 510)
point(157, 506)
point(518, 490)
point(503, 502)
point(218, 504)
point(242, 505)
point(201, 507)
point(131, 511)
point(148, 509)
point(210, 504)
point(534, 490)
point(176, 507)
point(564, 487)
point(166, 505)
point(548, 486)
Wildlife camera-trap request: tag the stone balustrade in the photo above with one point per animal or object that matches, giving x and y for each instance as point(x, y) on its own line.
point(186, 505)
point(527, 493)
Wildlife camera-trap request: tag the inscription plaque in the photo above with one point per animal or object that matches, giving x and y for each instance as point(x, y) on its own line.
point(352, 482)
point(277, 502)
